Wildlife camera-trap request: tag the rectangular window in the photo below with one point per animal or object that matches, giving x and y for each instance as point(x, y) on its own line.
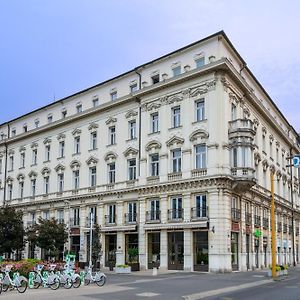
point(176, 160)
point(33, 187)
point(277, 155)
point(155, 79)
point(114, 96)
point(234, 157)
point(132, 169)
point(9, 191)
point(200, 116)
point(112, 214)
point(76, 216)
point(133, 88)
point(154, 122)
point(60, 216)
point(264, 143)
point(233, 112)
point(47, 153)
point(11, 163)
point(21, 189)
point(46, 215)
point(271, 150)
point(93, 176)
point(79, 108)
point(94, 140)
point(61, 149)
point(22, 162)
point(46, 185)
point(92, 215)
point(50, 119)
point(112, 173)
point(200, 62)
point(245, 156)
point(176, 116)
point(77, 145)
point(112, 135)
point(95, 102)
point(76, 179)
point(200, 156)
point(34, 156)
point(200, 206)
point(176, 71)
point(154, 210)
point(60, 182)
point(154, 164)
point(176, 203)
point(132, 129)
point(131, 212)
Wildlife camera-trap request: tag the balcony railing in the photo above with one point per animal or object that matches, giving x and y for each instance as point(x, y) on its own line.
point(175, 214)
point(284, 228)
point(235, 214)
point(240, 125)
point(265, 223)
point(130, 218)
point(110, 220)
point(174, 176)
point(60, 221)
point(279, 228)
point(153, 216)
point(248, 218)
point(242, 172)
point(199, 172)
point(257, 221)
point(75, 222)
point(198, 213)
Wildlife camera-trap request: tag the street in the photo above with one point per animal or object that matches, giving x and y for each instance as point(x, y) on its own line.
point(177, 285)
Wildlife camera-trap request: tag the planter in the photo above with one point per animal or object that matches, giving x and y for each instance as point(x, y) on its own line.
point(278, 273)
point(123, 270)
point(134, 266)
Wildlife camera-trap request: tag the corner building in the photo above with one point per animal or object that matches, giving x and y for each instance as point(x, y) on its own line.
point(173, 158)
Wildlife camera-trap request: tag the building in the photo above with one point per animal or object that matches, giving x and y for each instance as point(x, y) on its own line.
point(173, 158)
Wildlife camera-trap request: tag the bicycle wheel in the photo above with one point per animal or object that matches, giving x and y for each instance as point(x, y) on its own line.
point(22, 285)
point(55, 283)
point(87, 281)
point(68, 283)
point(0, 288)
point(37, 280)
point(5, 287)
point(76, 282)
point(101, 281)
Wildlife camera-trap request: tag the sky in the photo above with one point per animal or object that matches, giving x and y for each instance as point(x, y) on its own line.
point(50, 49)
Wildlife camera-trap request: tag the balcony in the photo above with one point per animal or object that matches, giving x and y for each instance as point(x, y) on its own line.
point(241, 127)
point(235, 214)
point(257, 221)
point(265, 223)
point(110, 220)
point(175, 215)
point(174, 176)
point(75, 222)
point(199, 173)
point(153, 216)
point(248, 218)
point(198, 213)
point(244, 178)
point(152, 179)
point(130, 218)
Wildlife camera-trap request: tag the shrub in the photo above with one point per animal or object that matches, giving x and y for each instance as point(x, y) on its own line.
point(122, 266)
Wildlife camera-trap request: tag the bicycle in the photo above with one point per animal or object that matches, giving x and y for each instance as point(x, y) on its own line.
point(98, 277)
point(69, 278)
point(18, 282)
point(50, 279)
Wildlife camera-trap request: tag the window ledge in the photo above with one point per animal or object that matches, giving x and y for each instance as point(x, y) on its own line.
point(74, 154)
point(90, 150)
point(110, 145)
point(21, 168)
point(172, 128)
point(61, 157)
point(131, 140)
point(153, 133)
point(200, 121)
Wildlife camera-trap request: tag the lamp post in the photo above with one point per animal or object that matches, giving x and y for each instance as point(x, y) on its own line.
point(91, 236)
point(67, 202)
point(273, 227)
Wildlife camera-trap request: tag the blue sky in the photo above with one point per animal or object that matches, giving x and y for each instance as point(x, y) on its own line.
point(53, 48)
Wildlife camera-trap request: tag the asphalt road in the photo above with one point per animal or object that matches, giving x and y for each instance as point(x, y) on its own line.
point(189, 286)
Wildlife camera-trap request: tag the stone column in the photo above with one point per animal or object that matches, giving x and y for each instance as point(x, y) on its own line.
point(186, 199)
point(142, 235)
point(188, 250)
point(120, 213)
point(164, 209)
point(120, 253)
point(186, 163)
point(83, 246)
point(243, 260)
point(143, 175)
point(163, 250)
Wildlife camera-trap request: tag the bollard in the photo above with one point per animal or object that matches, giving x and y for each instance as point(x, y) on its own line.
point(154, 271)
point(30, 280)
point(82, 275)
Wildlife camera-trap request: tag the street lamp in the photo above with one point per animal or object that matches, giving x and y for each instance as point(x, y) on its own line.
point(91, 236)
point(67, 202)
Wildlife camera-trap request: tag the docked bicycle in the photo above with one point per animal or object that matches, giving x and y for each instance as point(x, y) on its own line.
point(17, 282)
point(98, 277)
point(47, 279)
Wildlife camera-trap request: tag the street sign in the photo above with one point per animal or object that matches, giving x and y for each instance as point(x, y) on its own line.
point(296, 161)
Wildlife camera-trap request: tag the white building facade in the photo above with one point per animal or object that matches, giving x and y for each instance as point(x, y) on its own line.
point(173, 158)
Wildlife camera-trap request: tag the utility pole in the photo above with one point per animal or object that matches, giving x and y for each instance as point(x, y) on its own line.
point(91, 236)
point(273, 227)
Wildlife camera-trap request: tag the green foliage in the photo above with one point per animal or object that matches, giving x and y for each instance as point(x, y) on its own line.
point(48, 235)
point(11, 230)
point(133, 254)
point(23, 267)
point(122, 266)
point(97, 246)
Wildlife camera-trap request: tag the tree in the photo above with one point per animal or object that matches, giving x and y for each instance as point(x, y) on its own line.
point(97, 246)
point(11, 230)
point(49, 235)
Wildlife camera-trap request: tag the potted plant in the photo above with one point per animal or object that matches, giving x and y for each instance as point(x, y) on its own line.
point(133, 255)
point(123, 269)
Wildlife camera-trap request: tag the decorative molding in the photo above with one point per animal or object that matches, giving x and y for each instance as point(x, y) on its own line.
point(272, 169)
point(257, 158)
point(32, 174)
point(93, 126)
point(175, 141)
point(11, 152)
point(75, 164)
point(264, 130)
point(110, 156)
point(92, 160)
point(34, 145)
point(76, 131)
point(212, 146)
point(61, 137)
point(277, 144)
point(156, 145)
point(21, 177)
point(130, 152)
point(59, 168)
point(265, 164)
point(46, 171)
point(110, 120)
point(271, 136)
point(131, 114)
point(22, 149)
point(199, 136)
point(9, 179)
point(47, 141)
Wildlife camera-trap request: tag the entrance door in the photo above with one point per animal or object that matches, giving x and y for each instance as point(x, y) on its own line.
point(75, 245)
point(256, 249)
point(201, 251)
point(153, 249)
point(234, 251)
point(110, 249)
point(248, 251)
point(175, 251)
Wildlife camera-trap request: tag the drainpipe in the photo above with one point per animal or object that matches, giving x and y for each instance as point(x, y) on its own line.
point(140, 120)
point(5, 166)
